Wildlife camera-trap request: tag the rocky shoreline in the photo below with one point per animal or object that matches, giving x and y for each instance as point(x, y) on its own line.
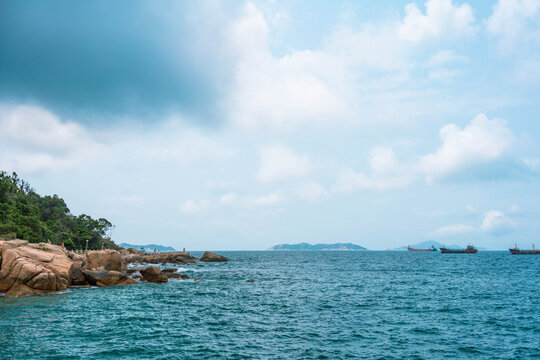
point(28, 269)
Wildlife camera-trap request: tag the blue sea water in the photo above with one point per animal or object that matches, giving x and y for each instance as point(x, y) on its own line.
point(302, 305)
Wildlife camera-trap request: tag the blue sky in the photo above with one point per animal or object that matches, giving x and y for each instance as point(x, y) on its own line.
point(221, 125)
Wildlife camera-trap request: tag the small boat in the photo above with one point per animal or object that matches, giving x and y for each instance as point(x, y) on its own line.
point(431, 248)
point(516, 251)
point(469, 250)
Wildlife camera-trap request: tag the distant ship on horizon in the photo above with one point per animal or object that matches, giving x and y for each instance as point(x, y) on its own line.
point(469, 250)
point(517, 251)
point(431, 248)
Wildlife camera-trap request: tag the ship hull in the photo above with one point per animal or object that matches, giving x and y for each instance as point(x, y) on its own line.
point(429, 250)
point(524, 252)
point(466, 251)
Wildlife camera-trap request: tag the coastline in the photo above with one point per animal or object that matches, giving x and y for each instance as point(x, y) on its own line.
point(28, 269)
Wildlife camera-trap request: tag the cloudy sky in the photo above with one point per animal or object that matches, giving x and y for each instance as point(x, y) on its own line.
point(238, 125)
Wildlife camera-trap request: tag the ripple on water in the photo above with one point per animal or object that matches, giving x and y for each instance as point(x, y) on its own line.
point(372, 305)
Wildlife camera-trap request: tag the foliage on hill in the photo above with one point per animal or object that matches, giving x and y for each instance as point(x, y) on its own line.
point(37, 218)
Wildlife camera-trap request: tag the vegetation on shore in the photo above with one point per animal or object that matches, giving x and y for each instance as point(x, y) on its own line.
point(27, 215)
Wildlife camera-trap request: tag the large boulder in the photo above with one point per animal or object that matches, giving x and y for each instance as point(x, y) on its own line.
point(211, 257)
point(20, 290)
point(105, 260)
point(106, 278)
point(133, 258)
point(77, 275)
point(153, 274)
point(39, 267)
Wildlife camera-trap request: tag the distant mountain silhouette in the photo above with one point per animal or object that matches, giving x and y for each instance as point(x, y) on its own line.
point(317, 247)
point(149, 247)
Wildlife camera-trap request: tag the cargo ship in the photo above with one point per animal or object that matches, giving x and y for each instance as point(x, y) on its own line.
point(431, 248)
point(469, 250)
point(516, 251)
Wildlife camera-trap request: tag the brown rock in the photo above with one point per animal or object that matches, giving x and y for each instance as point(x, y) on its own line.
point(153, 274)
point(19, 290)
point(77, 275)
point(161, 258)
point(13, 243)
point(211, 257)
point(177, 276)
point(106, 278)
point(128, 281)
point(40, 267)
point(106, 260)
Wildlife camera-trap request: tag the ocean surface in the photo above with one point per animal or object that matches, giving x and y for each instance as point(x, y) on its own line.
point(302, 305)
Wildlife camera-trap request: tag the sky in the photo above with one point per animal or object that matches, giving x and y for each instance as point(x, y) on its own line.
point(218, 125)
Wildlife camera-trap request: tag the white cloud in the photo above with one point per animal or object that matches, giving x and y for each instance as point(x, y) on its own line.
point(228, 199)
point(271, 199)
point(312, 191)
point(516, 22)
point(278, 163)
point(34, 139)
point(386, 173)
point(442, 19)
point(451, 230)
point(496, 223)
point(444, 57)
point(278, 93)
point(481, 141)
point(192, 207)
point(340, 81)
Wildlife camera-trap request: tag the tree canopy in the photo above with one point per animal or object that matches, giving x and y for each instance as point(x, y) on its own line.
point(35, 218)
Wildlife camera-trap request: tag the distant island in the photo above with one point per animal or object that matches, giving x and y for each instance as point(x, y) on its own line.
point(317, 247)
point(149, 247)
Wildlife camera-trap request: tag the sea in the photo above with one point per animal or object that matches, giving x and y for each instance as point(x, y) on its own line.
point(301, 305)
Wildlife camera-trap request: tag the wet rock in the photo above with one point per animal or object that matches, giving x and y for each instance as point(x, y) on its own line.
point(153, 274)
point(105, 260)
point(20, 290)
point(161, 258)
point(80, 286)
point(177, 276)
point(250, 281)
point(211, 257)
point(128, 281)
point(197, 279)
point(106, 278)
point(170, 270)
point(77, 275)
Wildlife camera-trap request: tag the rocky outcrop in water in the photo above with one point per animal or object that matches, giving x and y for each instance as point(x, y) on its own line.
point(105, 278)
point(153, 274)
point(31, 269)
point(105, 260)
point(140, 257)
point(211, 257)
point(27, 269)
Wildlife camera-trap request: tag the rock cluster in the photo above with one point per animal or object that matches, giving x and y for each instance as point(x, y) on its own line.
point(30, 269)
point(211, 257)
point(132, 256)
